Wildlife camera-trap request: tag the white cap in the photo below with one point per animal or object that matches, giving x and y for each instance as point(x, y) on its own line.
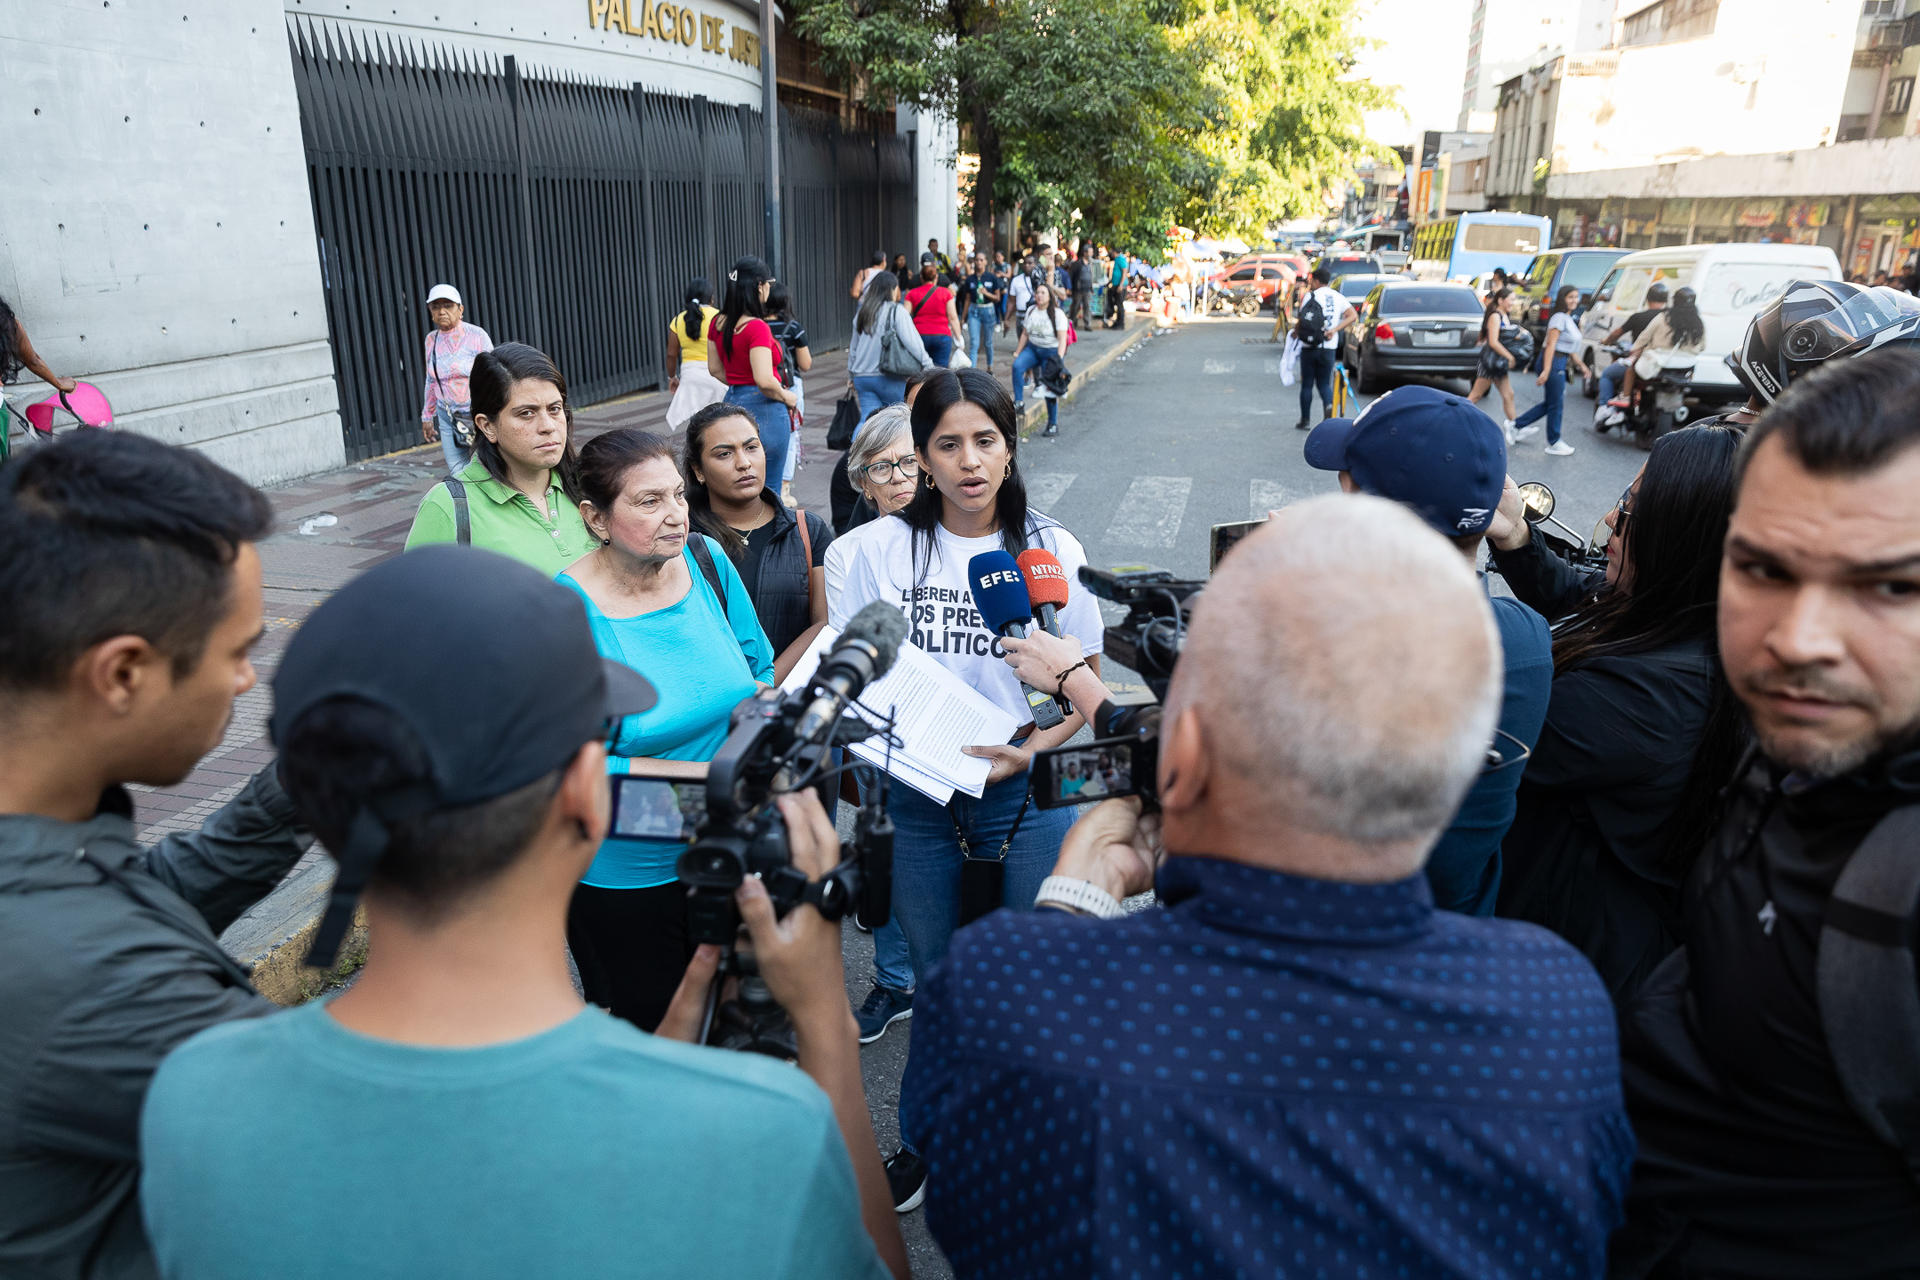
point(447, 292)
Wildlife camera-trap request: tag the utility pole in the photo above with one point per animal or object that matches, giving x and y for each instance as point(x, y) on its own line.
point(770, 117)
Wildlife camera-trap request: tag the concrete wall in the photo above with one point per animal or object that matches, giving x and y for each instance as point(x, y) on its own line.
point(156, 235)
point(1887, 166)
point(936, 185)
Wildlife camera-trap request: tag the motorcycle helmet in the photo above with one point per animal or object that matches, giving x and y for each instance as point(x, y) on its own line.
point(1684, 294)
point(1656, 292)
point(1813, 321)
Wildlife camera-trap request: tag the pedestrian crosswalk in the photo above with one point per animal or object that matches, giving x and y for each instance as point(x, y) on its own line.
point(1154, 508)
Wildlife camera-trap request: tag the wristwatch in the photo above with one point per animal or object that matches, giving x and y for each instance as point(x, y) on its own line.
point(1079, 895)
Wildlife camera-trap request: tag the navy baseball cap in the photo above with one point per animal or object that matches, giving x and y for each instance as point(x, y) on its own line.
point(1424, 448)
point(489, 663)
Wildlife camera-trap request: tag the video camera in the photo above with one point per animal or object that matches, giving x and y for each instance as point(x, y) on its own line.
point(777, 743)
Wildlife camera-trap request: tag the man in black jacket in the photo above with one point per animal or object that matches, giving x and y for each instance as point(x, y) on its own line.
point(1770, 1064)
point(129, 602)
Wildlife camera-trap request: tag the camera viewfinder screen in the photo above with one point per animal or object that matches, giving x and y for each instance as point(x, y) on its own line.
point(647, 809)
point(1093, 773)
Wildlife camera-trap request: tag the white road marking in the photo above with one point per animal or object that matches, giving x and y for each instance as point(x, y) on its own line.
point(1211, 365)
point(1264, 496)
point(1150, 513)
point(1044, 488)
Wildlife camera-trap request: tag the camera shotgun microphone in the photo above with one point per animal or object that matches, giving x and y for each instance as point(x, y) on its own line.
point(864, 652)
point(1000, 593)
point(1046, 586)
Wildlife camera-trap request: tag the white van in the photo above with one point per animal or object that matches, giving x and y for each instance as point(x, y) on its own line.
point(1732, 281)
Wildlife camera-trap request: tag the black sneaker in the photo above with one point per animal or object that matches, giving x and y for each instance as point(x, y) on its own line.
point(907, 1180)
point(883, 1007)
point(1302, 425)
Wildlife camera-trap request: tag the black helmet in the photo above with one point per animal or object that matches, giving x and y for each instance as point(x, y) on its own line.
point(1813, 321)
point(1684, 294)
point(1656, 292)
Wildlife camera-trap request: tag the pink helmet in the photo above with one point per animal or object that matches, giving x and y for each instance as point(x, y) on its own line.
point(84, 402)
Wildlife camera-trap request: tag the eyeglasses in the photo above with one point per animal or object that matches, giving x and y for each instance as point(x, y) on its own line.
point(881, 472)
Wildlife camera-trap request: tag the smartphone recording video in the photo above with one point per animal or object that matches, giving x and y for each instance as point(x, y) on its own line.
point(1223, 537)
point(1098, 770)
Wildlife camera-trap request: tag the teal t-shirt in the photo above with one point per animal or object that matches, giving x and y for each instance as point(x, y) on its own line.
point(290, 1147)
point(702, 658)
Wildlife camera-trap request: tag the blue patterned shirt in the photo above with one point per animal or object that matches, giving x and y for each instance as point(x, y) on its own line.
point(1274, 1077)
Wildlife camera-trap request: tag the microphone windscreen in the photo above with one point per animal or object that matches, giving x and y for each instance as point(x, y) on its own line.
point(882, 626)
point(1046, 578)
point(999, 592)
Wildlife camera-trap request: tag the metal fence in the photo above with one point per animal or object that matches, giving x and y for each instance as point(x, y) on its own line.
point(569, 214)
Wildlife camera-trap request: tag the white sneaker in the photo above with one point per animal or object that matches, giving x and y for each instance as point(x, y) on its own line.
point(1559, 448)
point(1526, 433)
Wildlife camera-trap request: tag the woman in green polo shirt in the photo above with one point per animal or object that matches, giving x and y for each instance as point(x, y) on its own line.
point(520, 495)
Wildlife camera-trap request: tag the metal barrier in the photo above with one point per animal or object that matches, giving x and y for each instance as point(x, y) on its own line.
point(569, 214)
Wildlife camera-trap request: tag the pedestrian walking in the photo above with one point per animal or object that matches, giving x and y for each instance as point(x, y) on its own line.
point(866, 273)
point(1042, 334)
point(690, 383)
point(1562, 349)
point(520, 493)
point(934, 317)
point(983, 291)
point(17, 353)
point(1496, 358)
point(792, 337)
point(1081, 277)
point(654, 590)
point(1117, 291)
point(898, 266)
point(452, 344)
point(939, 259)
point(744, 354)
point(884, 348)
point(1323, 314)
point(780, 553)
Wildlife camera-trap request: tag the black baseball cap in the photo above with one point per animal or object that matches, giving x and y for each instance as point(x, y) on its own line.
point(526, 688)
point(1428, 449)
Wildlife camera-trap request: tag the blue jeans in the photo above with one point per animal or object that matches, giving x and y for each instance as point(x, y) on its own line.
point(892, 965)
point(877, 391)
point(939, 347)
point(1316, 370)
point(1552, 401)
point(1031, 360)
point(456, 458)
point(776, 428)
point(981, 323)
point(1610, 378)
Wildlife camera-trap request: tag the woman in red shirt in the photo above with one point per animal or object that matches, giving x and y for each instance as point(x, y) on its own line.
point(934, 317)
point(743, 353)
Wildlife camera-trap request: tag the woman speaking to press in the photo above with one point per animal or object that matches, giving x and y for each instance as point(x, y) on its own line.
point(971, 500)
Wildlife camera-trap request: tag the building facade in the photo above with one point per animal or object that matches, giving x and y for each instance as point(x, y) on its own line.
point(1879, 100)
point(1504, 38)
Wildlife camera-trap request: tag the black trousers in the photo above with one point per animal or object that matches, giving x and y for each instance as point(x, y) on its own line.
point(631, 947)
point(1116, 306)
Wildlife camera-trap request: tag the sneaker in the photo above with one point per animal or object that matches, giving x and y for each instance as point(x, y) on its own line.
point(1508, 424)
point(1302, 425)
point(884, 1006)
point(1053, 429)
point(907, 1180)
point(1559, 448)
point(1525, 433)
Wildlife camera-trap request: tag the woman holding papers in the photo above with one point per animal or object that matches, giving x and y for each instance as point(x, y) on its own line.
point(657, 591)
point(970, 500)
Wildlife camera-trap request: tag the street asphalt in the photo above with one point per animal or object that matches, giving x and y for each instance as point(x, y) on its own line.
point(1191, 429)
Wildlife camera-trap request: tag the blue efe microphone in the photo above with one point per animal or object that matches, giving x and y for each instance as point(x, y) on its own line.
point(1000, 593)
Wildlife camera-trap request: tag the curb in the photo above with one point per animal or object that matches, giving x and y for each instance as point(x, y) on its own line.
point(271, 939)
point(1036, 409)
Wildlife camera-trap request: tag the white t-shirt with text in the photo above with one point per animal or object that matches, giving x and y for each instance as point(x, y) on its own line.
point(939, 606)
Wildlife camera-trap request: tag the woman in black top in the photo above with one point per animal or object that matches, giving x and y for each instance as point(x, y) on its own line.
point(1640, 731)
point(792, 337)
point(781, 559)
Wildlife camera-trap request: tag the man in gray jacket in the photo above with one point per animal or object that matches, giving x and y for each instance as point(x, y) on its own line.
point(129, 603)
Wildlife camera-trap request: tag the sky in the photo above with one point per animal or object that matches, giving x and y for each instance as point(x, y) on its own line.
point(1423, 49)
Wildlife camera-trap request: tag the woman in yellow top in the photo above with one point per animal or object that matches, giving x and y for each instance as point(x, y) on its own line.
point(689, 381)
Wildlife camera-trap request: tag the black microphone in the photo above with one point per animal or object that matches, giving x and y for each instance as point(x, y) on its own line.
point(1000, 593)
point(864, 652)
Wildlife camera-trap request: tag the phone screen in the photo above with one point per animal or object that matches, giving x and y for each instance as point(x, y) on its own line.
point(649, 808)
point(1224, 536)
point(1097, 770)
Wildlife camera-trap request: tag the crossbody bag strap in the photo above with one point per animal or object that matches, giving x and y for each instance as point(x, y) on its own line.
point(966, 847)
point(462, 519)
point(709, 570)
point(806, 557)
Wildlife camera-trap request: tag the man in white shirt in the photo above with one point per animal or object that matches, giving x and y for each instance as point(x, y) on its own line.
point(1020, 295)
point(1319, 341)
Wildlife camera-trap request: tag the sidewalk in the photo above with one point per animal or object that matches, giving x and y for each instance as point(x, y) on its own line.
point(333, 526)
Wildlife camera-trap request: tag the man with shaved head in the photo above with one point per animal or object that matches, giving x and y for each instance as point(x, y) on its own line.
point(1296, 1066)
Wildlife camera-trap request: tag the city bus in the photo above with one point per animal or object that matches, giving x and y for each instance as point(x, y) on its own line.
point(1472, 244)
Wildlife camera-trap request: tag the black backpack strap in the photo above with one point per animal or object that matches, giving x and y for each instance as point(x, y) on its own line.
point(462, 520)
point(703, 556)
point(1869, 1004)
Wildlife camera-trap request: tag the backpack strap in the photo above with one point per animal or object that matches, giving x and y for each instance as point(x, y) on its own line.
point(462, 519)
point(703, 556)
point(1869, 1005)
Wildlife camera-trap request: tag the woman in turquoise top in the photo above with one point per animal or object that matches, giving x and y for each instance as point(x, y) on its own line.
point(649, 599)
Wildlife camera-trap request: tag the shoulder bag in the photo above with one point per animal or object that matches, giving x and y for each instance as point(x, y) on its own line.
point(895, 360)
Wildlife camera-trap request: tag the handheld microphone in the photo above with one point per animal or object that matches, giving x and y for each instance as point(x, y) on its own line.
point(1000, 593)
point(1046, 586)
point(864, 652)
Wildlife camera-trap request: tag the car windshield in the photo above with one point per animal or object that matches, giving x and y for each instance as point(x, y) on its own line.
point(1584, 270)
point(1357, 287)
point(1500, 237)
point(1436, 301)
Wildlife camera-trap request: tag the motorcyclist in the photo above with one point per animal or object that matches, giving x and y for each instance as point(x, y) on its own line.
point(1669, 338)
point(1629, 329)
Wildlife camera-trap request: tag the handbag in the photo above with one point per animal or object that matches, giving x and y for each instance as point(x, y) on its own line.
point(846, 421)
point(983, 880)
point(895, 360)
point(445, 419)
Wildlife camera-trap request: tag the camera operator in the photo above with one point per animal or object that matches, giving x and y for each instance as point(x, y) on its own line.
point(1298, 1064)
point(1770, 1063)
point(129, 603)
point(460, 1110)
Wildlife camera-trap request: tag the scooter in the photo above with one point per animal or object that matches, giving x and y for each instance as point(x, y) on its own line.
point(1659, 402)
